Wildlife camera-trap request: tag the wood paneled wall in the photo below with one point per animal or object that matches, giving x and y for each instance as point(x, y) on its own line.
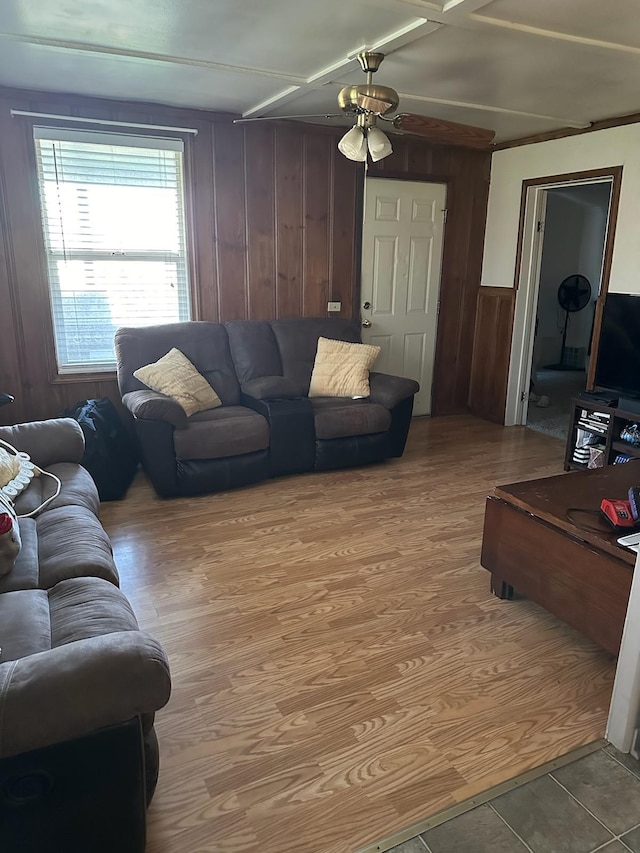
point(491, 352)
point(275, 218)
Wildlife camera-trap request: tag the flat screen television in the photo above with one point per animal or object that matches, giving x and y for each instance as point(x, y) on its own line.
point(618, 365)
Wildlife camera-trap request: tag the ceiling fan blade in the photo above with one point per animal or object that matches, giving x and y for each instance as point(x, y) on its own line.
point(279, 118)
point(444, 132)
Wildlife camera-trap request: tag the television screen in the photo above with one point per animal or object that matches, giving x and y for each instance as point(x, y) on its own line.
point(618, 365)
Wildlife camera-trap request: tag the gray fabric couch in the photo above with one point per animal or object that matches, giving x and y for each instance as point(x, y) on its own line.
point(267, 425)
point(79, 682)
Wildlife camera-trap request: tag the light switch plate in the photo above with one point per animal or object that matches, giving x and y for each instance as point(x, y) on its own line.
point(334, 306)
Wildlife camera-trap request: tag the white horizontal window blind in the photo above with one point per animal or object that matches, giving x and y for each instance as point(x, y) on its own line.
point(113, 219)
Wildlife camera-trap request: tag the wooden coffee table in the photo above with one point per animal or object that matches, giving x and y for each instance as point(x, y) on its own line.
point(532, 546)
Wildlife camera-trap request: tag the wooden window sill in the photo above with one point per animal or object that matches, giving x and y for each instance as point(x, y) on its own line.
point(74, 378)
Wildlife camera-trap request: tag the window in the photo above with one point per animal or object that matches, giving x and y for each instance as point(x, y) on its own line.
point(113, 219)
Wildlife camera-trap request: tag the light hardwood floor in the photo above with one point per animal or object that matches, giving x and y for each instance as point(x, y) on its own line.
point(340, 667)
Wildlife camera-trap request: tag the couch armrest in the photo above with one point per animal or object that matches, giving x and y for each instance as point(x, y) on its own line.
point(47, 442)
point(272, 388)
point(155, 407)
point(390, 390)
point(72, 690)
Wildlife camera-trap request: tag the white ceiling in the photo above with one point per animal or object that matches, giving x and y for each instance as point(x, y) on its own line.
point(516, 66)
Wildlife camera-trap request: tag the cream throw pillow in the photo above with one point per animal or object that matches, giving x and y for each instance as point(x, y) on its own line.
point(342, 369)
point(174, 376)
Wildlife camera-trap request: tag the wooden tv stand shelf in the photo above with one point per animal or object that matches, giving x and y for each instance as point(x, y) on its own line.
point(604, 423)
point(530, 545)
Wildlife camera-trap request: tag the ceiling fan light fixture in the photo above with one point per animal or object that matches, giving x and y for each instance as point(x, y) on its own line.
point(379, 144)
point(371, 98)
point(354, 145)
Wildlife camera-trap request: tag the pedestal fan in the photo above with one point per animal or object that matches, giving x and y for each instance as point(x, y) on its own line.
point(574, 294)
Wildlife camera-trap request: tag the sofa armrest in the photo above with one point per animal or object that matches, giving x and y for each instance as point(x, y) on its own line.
point(390, 390)
point(272, 388)
point(47, 442)
point(72, 690)
point(155, 407)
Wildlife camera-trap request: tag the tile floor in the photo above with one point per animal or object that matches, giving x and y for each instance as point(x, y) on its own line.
point(591, 804)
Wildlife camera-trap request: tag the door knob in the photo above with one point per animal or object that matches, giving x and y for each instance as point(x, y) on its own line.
point(366, 324)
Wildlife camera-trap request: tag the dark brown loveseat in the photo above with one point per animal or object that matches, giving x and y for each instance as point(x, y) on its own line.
point(267, 424)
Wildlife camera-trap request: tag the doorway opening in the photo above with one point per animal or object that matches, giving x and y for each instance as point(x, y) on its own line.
point(565, 252)
point(571, 263)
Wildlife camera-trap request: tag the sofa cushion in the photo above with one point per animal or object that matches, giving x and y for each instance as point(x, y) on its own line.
point(72, 543)
point(219, 433)
point(67, 542)
point(341, 369)
point(254, 349)
point(298, 342)
point(337, 417)
point(174, 376)
point(87, 607)
point(47, 442)
point(77, 489)
point(35, 620)
point(25, 627)
point(206, 345)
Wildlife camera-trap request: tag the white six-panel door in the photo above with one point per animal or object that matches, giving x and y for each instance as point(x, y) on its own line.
point(401, 260)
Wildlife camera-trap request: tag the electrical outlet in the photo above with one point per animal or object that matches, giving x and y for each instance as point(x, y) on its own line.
point(334, 306)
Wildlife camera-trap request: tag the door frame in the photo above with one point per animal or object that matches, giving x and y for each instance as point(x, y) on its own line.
point(415, 178)
point(527, 278)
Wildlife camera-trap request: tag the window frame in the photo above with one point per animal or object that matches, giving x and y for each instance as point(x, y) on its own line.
point(48, 344)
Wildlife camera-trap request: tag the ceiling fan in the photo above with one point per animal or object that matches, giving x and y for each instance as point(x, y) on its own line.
point(368, 102)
